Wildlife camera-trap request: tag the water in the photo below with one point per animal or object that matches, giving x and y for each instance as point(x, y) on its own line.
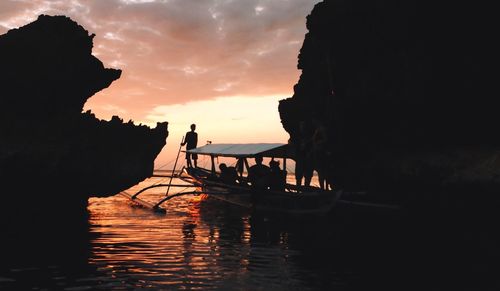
point(200, 244)
point(205, 244)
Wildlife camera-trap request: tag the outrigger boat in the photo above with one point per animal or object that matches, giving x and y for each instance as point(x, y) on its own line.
point(291, 200)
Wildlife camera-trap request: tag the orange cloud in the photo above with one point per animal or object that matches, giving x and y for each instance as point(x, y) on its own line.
point(178, 51)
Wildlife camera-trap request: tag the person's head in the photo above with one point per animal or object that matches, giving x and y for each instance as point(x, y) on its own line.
point(274, 164)
point(258, 160)
point(222, 167)
point(193, 127)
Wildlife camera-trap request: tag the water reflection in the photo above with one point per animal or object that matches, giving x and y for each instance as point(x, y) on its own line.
point(200, 243)
point(210, 245)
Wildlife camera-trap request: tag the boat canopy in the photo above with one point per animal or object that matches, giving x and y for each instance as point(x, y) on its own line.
point(276, 150)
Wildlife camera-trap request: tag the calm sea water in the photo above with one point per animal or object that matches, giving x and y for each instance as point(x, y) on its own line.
point(205, 244)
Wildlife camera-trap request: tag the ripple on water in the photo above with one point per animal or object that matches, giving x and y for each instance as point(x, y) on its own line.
point(199, 244)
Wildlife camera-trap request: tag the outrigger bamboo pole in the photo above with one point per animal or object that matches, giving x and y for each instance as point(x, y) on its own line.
point(175, 165)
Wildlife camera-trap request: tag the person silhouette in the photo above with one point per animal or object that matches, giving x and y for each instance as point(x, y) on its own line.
point(303, 159)
point(228, 174)
point(258, 174)
point(319, 153)
point(277, 177)
point(191, 142)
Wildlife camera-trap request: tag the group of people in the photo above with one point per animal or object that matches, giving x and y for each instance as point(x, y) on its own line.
point(311, 154)
point(260, 176)
point(263, 177)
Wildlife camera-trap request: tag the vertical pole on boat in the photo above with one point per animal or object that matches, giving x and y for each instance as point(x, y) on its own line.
point(175, 165)
point(246, 164)
point(213, 164)
point(284, 168)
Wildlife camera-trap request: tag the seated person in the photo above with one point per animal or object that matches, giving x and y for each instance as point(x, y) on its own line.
point(277, 177)
point(228, 175)
point(258, 174)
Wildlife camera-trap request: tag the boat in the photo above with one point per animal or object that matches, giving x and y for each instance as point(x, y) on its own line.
point(288, 200)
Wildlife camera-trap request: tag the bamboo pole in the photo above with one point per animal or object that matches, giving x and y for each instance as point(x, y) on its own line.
point(175, 165)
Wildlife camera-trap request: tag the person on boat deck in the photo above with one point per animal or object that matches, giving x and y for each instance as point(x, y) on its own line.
point(319, 152)
point(191, 142)
point(303, 163)
point(258, 174)
point(276, 177)
point(228, 175)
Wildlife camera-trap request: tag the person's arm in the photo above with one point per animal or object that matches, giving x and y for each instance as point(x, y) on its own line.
point(185, 140)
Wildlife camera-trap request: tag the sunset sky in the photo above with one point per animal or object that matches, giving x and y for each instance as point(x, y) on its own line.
point(222, 64)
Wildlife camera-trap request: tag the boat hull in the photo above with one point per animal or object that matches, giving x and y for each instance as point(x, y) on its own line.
point(265, 200)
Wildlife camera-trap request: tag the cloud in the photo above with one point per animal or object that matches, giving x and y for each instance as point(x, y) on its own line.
point(178, 51)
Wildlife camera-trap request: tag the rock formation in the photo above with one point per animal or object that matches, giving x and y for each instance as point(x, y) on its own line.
point(53, 156)
point(404, 91)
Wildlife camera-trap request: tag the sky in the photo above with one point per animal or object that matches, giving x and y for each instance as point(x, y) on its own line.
point(222, 64)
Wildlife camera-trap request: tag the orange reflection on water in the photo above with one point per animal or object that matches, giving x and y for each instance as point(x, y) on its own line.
point(199, 198)
point(191, 245)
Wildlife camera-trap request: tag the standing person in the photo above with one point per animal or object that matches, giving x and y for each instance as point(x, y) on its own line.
point(319, 153)
point(191, 141)
point(303, 156)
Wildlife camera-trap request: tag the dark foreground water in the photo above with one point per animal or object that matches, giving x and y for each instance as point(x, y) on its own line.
point(206, 244)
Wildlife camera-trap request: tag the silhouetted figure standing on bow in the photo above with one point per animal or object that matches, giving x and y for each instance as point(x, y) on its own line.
point(191, 142)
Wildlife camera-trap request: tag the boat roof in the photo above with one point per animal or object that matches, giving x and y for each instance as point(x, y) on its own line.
point(277, 150)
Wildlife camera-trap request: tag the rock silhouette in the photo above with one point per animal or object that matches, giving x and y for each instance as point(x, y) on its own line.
point(404, 91)
point(53, 157)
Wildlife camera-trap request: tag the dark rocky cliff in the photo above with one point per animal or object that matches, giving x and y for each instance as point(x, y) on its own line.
point(405, 92)
point(53, 156)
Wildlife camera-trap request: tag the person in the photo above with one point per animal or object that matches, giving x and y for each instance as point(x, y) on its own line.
point(258, 174)
point(319, 153)
point(276, 177)
point(303, 159)
point(228, 175)
point(240, 165)
point(191, 142)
